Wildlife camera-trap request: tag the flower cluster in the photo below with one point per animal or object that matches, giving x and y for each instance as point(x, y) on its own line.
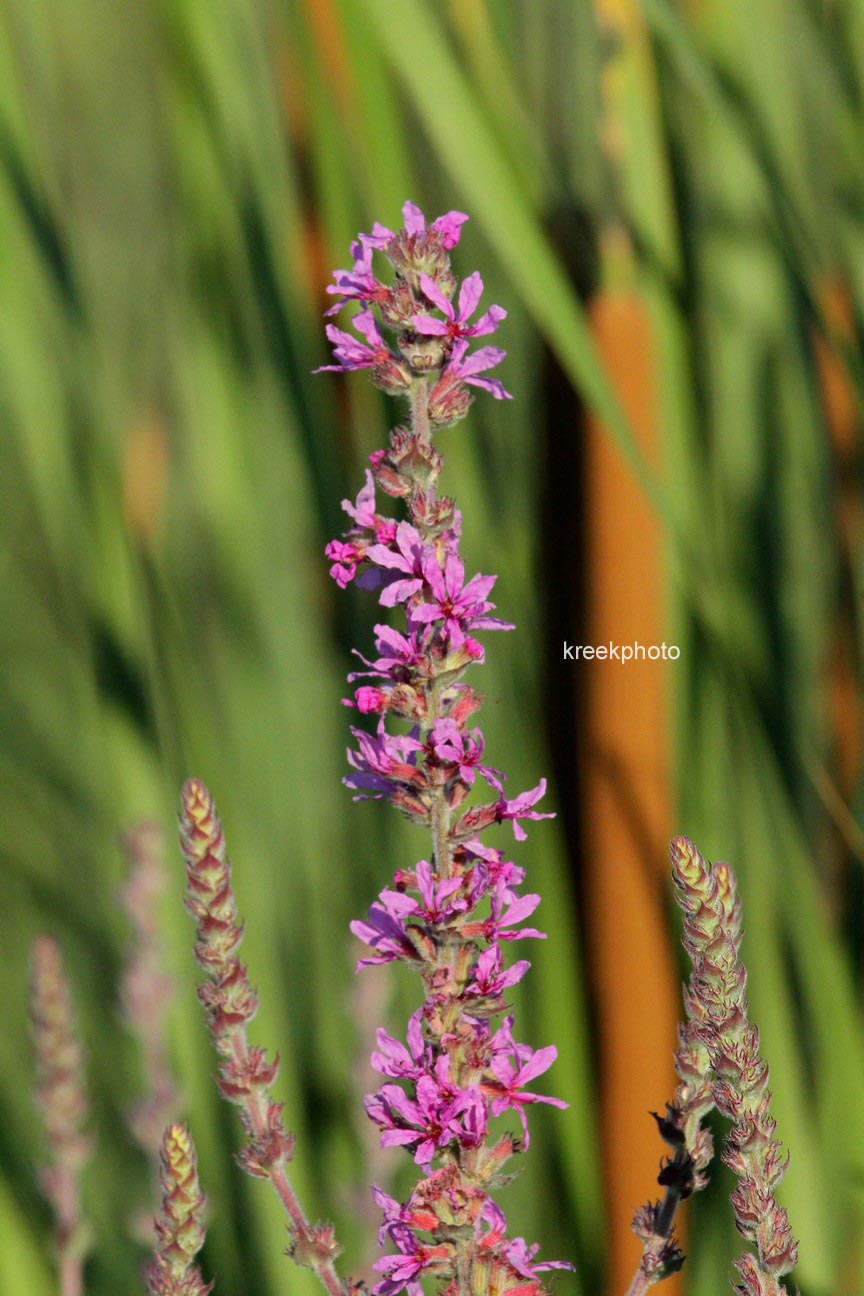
point(230, 1002)
point(719, 1065)
point(63, 1107)
point(179, 1226)
point(740, 1075)
point(145, 994)
point(451, 914)
point(424, 342)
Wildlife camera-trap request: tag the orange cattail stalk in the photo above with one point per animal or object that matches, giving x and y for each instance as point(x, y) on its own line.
point(626, 779)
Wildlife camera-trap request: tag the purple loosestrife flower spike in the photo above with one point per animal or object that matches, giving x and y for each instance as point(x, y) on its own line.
point(230, 1003)
point(145, 994)
point(180, 1225)
point(452, 914)
point(63, 1106)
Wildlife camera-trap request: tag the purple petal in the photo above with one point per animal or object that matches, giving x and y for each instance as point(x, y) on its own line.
point(488, 321)
point(436, 296)
point(415, 221)
point(485, 358)
point(450, 227)
point(380, 236)
point(429, 326)
point(469, 295)
point(521, 908)
point(365, 323)
point(492, 385)
point(536, 1065)
point(397, 1137)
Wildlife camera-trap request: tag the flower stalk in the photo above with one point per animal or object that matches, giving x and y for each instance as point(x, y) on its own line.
point(63, 1106)
point(146, 991)
point(449, 917)
point(179, 1227)
point(230, 1002)
point(719, 1065)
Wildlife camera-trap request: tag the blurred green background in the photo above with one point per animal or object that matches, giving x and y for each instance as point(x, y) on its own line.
point(176, 181)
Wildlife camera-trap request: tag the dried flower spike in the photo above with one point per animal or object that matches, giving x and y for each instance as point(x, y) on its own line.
point(451, 916)
point(145, 995)
point(230, 1002)
point(180, 1225)
point(63, 1105)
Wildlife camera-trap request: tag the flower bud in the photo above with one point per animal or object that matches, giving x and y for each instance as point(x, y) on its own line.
point(392, 376)
point(449, 402)
point(422, 353)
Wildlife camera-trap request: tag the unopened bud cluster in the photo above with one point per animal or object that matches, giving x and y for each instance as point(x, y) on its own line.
point(229, 1000)
point(180, 1223)
point(719, 1065)
point(63, 1104)
point(740, 1074)
point(146, 991)
point(230, 1003)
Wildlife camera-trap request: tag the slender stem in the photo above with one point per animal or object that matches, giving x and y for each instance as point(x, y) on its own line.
point(420, 409)
point(440, 817)
point(71, 1274)
point(641, 1283)
point(256, 1107)
point(649, 1271)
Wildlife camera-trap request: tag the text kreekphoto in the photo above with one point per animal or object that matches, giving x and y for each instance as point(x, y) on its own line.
point(621, 652)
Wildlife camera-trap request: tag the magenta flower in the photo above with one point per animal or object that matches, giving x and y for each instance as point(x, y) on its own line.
point(439, 902)
point(448, 745)
point(359, 283)
point(345, 557)
point(352, 354)
point(362, 511)
point(459, 607)
point(413, 1260)
point(412, 1215)
point(506, 914)
point(455, 325)
point(394, 1059)
point(368, 700)
point(509, 1092)
point(520, 808)
point(465, 368)
point(501, 874)
point(520, 1256)
point(405, 654)
point(382, 760)
point(490, 978)
point(429, 1121)
point(384, 933)
point(449, 226)
point(406, 558)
